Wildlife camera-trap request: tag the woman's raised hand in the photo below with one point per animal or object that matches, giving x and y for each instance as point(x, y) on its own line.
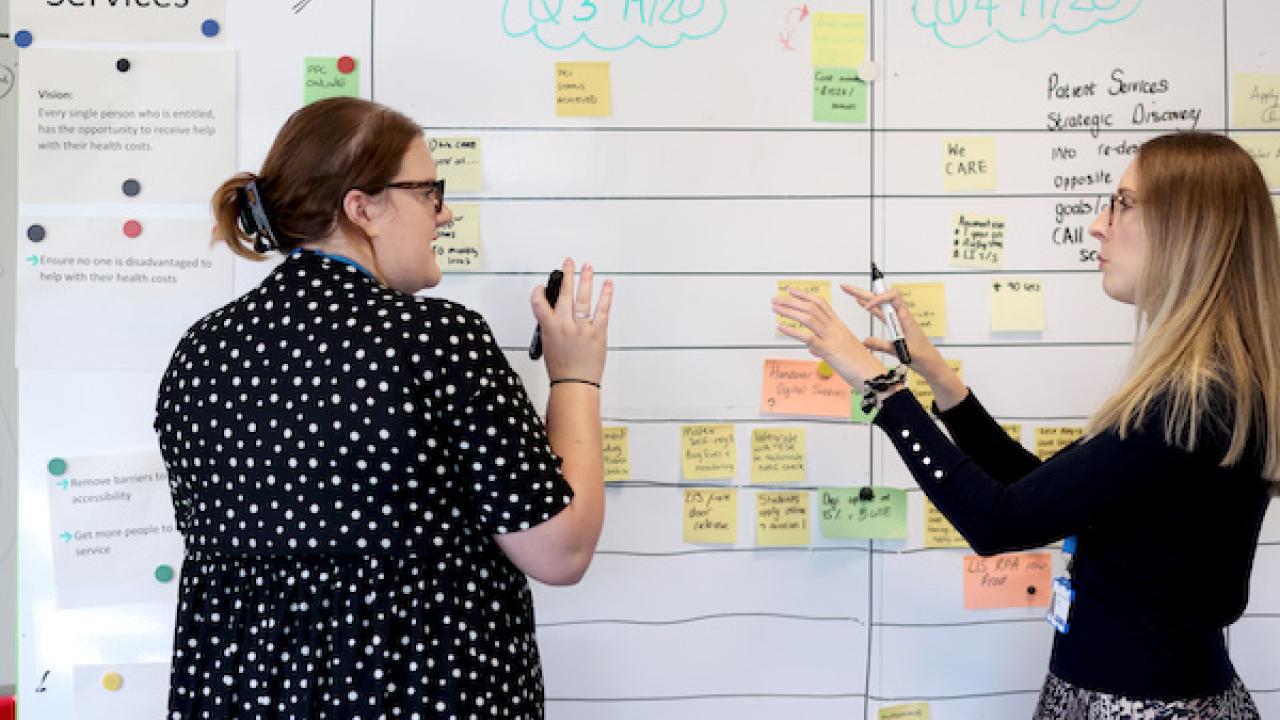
point(827, 337)
point(575, 337)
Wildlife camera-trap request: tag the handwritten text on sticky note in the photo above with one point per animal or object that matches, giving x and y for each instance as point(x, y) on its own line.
point(583, 89)
point(711, 516)
point(777, 455)
point(708, 452)
point(617, 453)
point(1017, 304)
point(1255, 101)
point(852, 514)
point(782, 519)
point(839, 39)
point(969, 163)
point(1051, 439)
point(977, 241)
point(458, 162)
point(323, 78)
point(794, 387)
point(457, 245)
point(1007, 581)
point(839, 96)
point(928, 305)
point(938, 530)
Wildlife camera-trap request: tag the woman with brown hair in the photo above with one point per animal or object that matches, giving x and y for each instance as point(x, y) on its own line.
point(360, 479)
point(1189, 238)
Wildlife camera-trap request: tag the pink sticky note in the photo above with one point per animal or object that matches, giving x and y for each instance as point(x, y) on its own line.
point(794, 387)
point(1012, 580)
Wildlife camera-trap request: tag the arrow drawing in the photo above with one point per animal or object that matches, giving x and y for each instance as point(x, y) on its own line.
point(787, 35)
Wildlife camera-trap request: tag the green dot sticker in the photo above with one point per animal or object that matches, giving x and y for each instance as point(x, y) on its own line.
point(164, 574)
point(57, 466)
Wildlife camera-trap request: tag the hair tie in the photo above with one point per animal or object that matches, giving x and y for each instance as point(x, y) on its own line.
point(254, 219)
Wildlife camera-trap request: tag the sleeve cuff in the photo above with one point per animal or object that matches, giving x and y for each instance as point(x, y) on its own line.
point(925, 450)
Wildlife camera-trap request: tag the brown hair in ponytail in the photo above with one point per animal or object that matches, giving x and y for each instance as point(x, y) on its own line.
point(324, 150)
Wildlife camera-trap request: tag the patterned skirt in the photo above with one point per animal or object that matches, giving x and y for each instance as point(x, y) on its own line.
point(1060, 700)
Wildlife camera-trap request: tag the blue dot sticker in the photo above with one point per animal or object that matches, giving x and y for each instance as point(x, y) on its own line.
point(23, 38)
point(57, 466)
point(164, 574)
point(210, 28)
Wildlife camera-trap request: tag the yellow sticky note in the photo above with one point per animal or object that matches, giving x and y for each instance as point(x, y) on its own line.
point(909, 711)
point(617, 453)
point(917, 385)
point(977, 241)
point(1265, 150)
point(839, 39)
point(1255, 101)
point(815, 287)
point(583, 89)
point(708, 452)
point(938, 530)
point(711, 516)
point(1013, 429)
point(458, 163)
point(1051, 439)
point(928, 305)
point(782, 519)
point(969, 163)
point(458, 245)
point(777, 455)
point(1017, 305)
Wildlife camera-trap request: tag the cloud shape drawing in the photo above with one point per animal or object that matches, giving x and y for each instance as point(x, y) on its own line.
point(966, 23)
point(613, 24)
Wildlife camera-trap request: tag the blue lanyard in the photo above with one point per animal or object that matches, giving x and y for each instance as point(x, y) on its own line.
point(338, 258)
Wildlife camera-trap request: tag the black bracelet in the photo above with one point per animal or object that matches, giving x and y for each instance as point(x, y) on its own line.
point(592, 383)
point(879, 384)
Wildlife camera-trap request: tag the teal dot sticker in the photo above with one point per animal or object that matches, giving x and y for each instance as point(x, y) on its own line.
point(57, 466)
point(164, 574)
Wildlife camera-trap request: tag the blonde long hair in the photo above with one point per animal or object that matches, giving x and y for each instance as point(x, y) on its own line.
point(1208, 302)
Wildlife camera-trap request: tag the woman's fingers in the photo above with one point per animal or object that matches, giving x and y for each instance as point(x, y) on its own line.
point(875, 344)
point(541, 308)
point(601, 317)
point(582, 299)
point(566, 287)
point(794, 334)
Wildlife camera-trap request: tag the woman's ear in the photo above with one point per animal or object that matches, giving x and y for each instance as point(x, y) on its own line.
point(363, 210)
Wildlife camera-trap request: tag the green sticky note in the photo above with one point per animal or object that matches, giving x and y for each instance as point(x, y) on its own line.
point(852, 514)
point(839, 96)
point(860, 417)
point(328, 77)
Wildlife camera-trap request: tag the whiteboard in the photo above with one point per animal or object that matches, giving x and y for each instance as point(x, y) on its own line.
point(710, 181)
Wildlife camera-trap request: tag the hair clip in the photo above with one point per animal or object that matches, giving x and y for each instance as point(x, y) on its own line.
point(254, 219)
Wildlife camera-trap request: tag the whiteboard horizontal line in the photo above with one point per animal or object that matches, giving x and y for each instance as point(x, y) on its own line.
point(796, 346)
point(808, 129)
point(455, 198)
point(704, 618)
point(710, 696)
point(758, 420)
point(730, 550)
point(784, 273)
point(956, 624)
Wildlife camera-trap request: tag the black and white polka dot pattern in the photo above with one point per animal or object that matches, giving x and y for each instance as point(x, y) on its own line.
point(340, 455)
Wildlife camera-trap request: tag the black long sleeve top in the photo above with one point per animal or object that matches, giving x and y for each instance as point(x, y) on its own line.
point(1166, 538)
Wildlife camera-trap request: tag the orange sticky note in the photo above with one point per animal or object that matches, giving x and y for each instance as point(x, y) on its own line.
point(794, 387)
point(1013, 580)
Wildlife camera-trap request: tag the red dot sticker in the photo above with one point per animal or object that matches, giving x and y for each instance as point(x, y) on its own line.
point(132, 229)
point(346, 65)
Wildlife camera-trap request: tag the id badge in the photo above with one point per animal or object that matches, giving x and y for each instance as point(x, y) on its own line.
point(1059, 615)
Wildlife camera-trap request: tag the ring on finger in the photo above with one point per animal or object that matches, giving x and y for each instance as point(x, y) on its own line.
point(579, 315)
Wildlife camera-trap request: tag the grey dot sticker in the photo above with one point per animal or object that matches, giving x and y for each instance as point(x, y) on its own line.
point(35, 233)
point(131, 187)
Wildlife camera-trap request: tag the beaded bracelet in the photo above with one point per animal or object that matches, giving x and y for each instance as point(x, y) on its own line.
point(879, 384)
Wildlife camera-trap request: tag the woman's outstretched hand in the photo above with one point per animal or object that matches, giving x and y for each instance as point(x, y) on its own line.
point(827, 337)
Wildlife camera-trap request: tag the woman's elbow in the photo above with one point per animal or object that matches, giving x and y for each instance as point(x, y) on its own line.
point(568, 569)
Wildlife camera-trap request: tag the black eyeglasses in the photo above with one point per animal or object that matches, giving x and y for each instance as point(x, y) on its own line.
point(432, 190)
point(1125, 203)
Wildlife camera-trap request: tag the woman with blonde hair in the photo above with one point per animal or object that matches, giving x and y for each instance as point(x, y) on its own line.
point(1190, 239)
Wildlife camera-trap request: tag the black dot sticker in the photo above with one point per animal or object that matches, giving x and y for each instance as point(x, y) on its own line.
point(123, 65)
point(131, 187)
point(35, 233)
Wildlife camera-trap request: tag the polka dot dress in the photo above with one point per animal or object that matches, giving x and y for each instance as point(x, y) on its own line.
point(340, 455)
